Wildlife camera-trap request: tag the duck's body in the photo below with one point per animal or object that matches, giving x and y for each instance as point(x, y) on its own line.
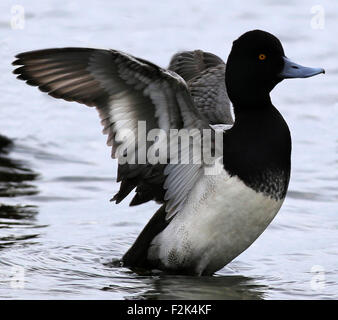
point(225, 213)
point(206, 219)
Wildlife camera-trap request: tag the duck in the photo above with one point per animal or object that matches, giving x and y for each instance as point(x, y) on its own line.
point(205, 220)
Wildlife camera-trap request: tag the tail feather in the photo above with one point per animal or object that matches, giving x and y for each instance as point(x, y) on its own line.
point(137, 255)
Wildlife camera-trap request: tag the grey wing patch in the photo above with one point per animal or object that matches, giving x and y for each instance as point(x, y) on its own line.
point(210, 97)
point(188, 64)
point(181, 179)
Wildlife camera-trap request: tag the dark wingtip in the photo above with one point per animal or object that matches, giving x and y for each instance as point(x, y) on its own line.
point(20, 76)
point(17, 62)
point(135, 201)
point(116, 198)
point(20, 55)
point(18, 58)
point(17, 70)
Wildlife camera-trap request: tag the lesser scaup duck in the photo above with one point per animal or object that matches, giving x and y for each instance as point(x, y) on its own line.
point(205, 220)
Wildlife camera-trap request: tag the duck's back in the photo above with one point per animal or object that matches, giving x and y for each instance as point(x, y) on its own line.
point(204, 73)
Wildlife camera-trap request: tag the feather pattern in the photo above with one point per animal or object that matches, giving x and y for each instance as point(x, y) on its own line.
point(125, 90)
point(205, 76)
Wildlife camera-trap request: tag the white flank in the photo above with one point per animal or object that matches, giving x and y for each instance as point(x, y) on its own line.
point(221, 218)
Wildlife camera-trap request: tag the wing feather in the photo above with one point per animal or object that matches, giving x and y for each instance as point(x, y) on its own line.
point(125, 90)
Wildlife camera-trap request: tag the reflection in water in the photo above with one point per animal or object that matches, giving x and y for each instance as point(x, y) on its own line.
point(15, 180)
point(168, 287)
point(17, 212)
point(14, 175)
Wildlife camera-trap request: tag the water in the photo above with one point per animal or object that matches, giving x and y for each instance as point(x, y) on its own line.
point(58, 230)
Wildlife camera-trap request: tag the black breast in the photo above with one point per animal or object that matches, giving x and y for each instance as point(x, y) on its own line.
point(257, 149)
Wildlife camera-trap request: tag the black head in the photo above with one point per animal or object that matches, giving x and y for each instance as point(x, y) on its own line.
point(253, 66)
point(256, 64)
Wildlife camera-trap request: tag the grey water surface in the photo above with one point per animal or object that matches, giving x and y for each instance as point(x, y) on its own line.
point(58, 230)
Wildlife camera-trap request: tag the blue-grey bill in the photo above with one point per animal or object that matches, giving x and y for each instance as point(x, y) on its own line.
point(294, 70)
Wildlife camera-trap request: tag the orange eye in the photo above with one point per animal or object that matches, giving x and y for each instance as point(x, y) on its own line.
point(262, 56)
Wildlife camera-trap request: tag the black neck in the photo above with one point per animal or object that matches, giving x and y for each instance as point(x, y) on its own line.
point(248, 105)
point(257, 148)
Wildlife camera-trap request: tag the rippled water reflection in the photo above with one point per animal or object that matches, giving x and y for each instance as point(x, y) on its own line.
point(16, 179)
point(58, 231)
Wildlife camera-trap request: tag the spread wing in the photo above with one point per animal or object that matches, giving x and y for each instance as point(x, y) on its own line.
point(125, 90)
point(205, 76)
